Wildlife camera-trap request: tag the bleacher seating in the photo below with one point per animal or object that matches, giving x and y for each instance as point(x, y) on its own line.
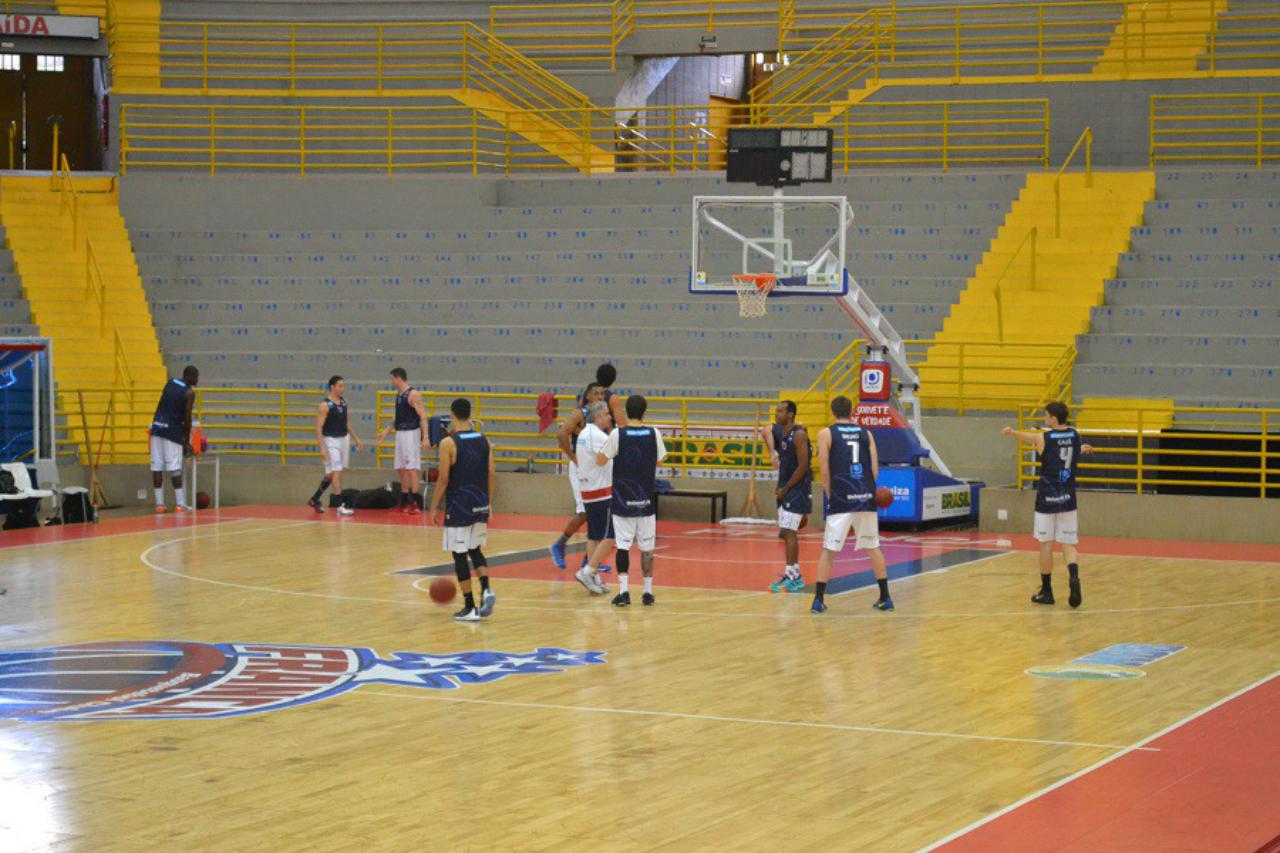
point(528, 294)
point(1194, 313)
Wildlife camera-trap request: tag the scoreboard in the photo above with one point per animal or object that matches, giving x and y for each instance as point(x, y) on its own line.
point(779, 156)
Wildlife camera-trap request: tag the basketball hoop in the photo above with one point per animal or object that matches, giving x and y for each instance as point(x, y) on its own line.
point(753, 292)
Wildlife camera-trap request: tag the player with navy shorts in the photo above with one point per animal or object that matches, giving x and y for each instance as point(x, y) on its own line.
point(467, 483)
point(1058, 449)
point(789, 449)
point(334, 436)
point(171, 436)
point(595, 478)
point(850, 464)
point(410, 439)
point(635, 449)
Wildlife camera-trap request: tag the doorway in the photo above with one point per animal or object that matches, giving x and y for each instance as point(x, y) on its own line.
point(36, 90)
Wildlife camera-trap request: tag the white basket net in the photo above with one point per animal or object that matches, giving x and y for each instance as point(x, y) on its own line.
point(753, 294)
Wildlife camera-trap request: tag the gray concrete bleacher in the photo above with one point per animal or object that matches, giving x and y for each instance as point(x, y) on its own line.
point(520, 285)
point(1194, 313)
point(15, 311)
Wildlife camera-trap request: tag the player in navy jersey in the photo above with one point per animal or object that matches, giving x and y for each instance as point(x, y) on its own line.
point(171, 436)
point(850, 464)
point(636, 449)
point(1058, 450)
point(467, 483)
point(411, 441)
point(334, 436)
point(789, 448)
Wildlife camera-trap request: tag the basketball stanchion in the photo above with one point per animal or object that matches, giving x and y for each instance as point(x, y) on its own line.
point(750, 507)
point(753, 292)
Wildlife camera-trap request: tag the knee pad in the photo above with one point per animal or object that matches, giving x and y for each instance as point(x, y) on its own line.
point(477, 559)
point(624, 562)
point(460, 567)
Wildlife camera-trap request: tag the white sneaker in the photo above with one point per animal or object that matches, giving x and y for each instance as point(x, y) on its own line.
point(467, 614)
point(487, 603)
point(590, 580)
point(346, 510)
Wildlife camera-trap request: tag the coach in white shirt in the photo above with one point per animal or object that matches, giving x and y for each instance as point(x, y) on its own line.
point(596, 483)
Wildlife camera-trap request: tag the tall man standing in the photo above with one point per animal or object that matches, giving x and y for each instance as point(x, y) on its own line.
point(410, 440)
point(171, 436)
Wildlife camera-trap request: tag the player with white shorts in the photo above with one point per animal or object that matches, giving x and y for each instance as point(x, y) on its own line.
point(850, 466)
point(409, 419)
point(567, 437)
point(1058, 448)
point(789, 449)
point(334, 436)
point(171, 434)
point(635, 450)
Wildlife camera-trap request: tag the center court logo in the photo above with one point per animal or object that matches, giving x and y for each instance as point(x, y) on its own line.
point(156, 680)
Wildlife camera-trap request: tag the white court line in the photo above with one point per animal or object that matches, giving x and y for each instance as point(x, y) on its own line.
point(1137, 747)
point(145, 557)
point(730, 594)
point(84, 540)
point(715, 718)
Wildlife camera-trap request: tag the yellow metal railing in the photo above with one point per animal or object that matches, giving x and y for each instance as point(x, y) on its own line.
point(69, 199)
point(1030, 239)
point(1027, 39)
point(1086, 139)
point(302, 139)
point(1222, 450)
point(1242, 128)
point(589, 33)
point(95, 286)
point(959, 373)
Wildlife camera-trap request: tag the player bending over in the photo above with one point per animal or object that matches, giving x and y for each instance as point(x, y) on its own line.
point(467, 481)
point(1058, 449)
point(849, 464)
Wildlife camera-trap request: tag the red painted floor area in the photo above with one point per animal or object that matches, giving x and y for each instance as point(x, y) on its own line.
point(1214, 785)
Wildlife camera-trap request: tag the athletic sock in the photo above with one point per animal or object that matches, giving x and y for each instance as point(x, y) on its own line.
point(159, 496)
point(822, 590)
point(563, 540)
point(1074, 570)
point(648, 585)
point(883, 583)
point(469, 600)
point(793, 571)
point(623, 582)
point(324, 484)
point(180, 496)
point(1046, 583)
point(484, 583)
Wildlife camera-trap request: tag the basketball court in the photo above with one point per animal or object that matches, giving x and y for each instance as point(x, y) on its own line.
point(155, 694)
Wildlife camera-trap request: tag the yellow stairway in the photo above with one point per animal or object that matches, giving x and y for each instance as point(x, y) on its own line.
point(568, 143)
point(1160, 35)
point(1070, 271)
point(89, 355)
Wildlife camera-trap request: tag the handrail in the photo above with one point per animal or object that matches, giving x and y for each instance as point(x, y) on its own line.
point(69, 198)
point(1029, 236)
point(95, 285)
point(1087, 139)
point(1214, 128)
point(121, 358)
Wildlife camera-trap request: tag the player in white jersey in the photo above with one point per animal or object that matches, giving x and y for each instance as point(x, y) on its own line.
point(596, 482)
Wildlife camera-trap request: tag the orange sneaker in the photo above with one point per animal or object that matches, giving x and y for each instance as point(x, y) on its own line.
point(179, 508)
point(161, 510)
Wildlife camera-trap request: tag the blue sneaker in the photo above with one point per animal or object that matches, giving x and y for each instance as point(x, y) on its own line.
point(883, 604)
point(557, 554)
point(603, 568)
point(818, 607)
point(780, 585)
point(795, 584)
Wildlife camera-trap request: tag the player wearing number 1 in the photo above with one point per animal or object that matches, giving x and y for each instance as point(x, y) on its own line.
point(1058, 449)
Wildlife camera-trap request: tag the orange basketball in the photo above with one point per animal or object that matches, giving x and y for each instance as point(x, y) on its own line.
point(433, 474)
point(884, 497)
point(202, 500)
point(443, 591)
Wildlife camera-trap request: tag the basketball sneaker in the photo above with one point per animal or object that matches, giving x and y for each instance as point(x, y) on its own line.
point(413, 510)
point(467, 614)
point(1075, 599)
point(818, 607)
point(346, 510)
point(487, 603)
point(557, 554)
point(315, 504)
point(647, 599)
point(1044, 596)
point(179, 508)
point(161, 510)
point(590, 580)
point(622, 599)
point(883, 604)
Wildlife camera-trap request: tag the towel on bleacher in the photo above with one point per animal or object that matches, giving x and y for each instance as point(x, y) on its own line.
point(548, 408)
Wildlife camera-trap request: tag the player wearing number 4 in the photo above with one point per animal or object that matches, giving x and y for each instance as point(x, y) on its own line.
point(849, 464)
point(1058, 449)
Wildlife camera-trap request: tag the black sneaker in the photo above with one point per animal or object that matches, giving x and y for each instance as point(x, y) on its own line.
point(314, 503)
point(647, 599)
point(622, 599)
point(467, 614)
point(1075, 599)
point(1044, 596)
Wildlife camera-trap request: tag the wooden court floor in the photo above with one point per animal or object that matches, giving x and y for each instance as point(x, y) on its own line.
point(262, 680)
